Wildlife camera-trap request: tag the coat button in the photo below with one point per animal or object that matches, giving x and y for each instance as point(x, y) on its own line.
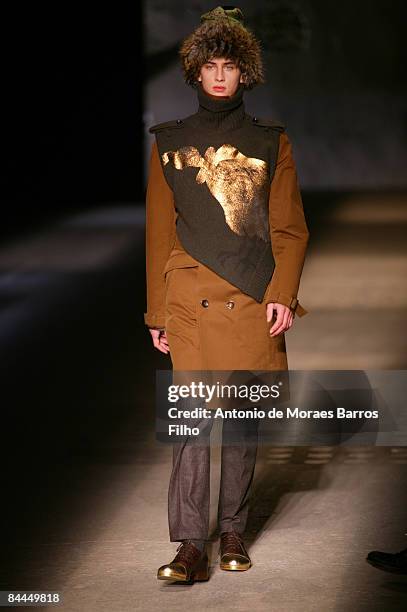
point(179, 121)
point(255, 119)
point(205, 303)
point(230, 304)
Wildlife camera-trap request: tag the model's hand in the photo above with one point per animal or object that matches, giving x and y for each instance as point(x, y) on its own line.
point(284, 319)
point(160, 340)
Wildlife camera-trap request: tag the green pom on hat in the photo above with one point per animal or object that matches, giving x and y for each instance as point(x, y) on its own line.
point(224, 12)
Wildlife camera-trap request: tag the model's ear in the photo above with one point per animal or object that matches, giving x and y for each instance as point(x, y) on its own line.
point(242, 78)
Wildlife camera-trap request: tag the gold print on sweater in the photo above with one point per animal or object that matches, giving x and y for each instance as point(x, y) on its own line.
point(239, 184)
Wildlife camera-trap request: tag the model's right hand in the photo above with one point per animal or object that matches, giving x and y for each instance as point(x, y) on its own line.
point(160, 340)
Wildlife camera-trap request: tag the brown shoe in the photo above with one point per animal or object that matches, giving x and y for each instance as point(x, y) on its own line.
point(189, 564)
point(233, 555)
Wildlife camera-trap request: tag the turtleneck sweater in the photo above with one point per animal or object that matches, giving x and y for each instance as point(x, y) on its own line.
point(219, 164)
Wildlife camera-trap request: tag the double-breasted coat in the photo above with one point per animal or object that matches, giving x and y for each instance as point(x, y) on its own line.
point(211, 324)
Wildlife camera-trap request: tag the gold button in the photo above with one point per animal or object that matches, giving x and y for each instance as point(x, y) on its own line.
point(230, 304)
point(205, 303)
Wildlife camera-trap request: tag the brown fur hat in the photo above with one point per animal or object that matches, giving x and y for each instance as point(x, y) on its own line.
point(222, 34)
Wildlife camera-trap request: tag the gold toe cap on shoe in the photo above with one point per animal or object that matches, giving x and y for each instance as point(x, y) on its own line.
point(172, 571)
point(234, 562)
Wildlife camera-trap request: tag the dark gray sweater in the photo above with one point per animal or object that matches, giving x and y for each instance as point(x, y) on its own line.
point(220, 162)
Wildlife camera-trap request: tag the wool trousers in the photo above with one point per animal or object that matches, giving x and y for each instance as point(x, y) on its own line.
point(189, 487)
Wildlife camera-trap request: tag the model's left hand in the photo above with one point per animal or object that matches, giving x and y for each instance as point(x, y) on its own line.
point(284, 319)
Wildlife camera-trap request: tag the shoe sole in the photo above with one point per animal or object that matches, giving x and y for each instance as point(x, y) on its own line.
point(386, 568)
point(191, 580)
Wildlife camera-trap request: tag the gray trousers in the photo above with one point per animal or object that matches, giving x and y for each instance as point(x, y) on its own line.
point(189, 487)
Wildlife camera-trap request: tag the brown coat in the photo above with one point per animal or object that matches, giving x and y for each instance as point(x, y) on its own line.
point(177, 284)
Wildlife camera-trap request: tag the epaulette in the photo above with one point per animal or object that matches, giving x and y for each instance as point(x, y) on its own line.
point(175, 123)
point(269, 123)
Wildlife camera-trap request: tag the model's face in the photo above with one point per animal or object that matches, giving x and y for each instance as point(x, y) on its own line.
point(220, 77)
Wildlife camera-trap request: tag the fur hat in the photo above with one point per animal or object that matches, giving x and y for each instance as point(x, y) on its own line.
point(222, 34)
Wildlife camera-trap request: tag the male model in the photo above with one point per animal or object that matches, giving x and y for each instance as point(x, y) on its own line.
point(225, 246)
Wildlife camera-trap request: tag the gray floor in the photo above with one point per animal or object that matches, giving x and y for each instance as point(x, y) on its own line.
point(316, 511)
point(310, 530)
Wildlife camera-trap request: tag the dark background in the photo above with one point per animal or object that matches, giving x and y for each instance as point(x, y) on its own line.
point(72, 82)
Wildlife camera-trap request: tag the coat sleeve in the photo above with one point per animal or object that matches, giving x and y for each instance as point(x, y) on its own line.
point(288, 230)
point(160, 238)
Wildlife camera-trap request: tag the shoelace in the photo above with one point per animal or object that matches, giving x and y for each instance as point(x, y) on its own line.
point(229, 541)
point(186, 552)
